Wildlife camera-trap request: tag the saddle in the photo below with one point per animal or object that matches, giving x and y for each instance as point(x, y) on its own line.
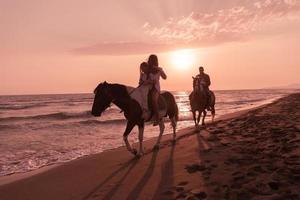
point(162, 106)
point(143, 96)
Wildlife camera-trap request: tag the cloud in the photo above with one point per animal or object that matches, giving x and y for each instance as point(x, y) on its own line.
point(200, 29)
point(124, 48)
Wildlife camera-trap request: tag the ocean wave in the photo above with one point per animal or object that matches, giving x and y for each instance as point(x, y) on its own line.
point(58, 116)
point(122, 121)
point(20, 107)
point(95, 121)
point(240, 102)
point(8, 126)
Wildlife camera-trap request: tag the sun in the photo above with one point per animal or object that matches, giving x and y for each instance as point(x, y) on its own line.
point(183, 59)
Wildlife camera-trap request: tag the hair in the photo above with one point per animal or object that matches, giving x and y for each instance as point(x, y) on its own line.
point(152, 61)
point(201, 68)
point(143, 64)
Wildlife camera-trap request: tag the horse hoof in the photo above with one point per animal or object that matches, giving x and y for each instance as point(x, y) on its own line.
point(156, 147)
point(142, 153)
point(173, 141)
point(134, 152)
point(138, 155)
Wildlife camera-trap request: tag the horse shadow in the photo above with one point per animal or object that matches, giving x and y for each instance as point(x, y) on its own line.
point(166, 179)
point(134, 194)
point(130, 163)
point(167, 172)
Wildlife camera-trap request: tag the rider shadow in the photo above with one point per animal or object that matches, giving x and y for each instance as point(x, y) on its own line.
point(167, 175)
point(203, 145)
point(206, 145)
point(130, 163)
point(134, 194)
point(110, 194)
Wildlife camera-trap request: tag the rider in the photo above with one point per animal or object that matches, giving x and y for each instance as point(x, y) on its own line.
point(155, 73)
point(144, 74)
point(204, 80)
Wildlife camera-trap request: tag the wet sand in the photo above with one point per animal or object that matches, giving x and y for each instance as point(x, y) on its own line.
point(247, 155)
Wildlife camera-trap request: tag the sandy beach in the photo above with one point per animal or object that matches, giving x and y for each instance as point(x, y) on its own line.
point(246, 155)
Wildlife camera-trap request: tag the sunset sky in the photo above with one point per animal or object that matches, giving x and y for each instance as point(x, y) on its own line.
point(64, 46)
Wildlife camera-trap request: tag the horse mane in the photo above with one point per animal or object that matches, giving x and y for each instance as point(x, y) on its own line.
point(118, 90)
point(196, 84)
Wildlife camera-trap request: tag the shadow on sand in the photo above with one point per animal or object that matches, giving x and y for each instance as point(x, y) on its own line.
point(134, 194)
point(131, 163)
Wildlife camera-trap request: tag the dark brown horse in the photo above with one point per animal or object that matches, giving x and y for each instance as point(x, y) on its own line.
point(106, 93)
point(199, 102)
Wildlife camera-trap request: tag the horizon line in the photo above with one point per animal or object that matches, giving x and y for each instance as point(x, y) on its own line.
point(70, 93)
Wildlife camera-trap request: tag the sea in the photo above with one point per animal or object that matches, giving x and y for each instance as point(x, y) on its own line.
point(41, 130)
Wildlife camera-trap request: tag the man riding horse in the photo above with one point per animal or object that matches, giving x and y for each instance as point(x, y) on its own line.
point(204, 81)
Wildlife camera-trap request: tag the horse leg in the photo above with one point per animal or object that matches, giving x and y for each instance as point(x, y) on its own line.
point(199, 116)
point(174, 123)
point(161, 131)
point(194, 117)
point(213, 113)
point(203, 118)
point(129, 128)
point(141, 136)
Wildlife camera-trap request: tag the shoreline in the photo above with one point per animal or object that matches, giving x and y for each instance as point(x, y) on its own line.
point(10, 178)
point(251, 154)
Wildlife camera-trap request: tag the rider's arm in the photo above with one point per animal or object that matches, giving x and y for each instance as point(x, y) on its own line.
point(142, 79)
point(208, 81)
point(148, 81)
point(162, 73)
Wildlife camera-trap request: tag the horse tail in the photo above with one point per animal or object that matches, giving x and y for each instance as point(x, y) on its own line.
point(172, 108)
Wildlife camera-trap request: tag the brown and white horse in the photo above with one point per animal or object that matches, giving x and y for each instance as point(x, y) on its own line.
point(198, 101)
point(118, 94)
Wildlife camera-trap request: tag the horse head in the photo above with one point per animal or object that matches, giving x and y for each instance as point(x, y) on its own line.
point(197, 85)
point(102, 100)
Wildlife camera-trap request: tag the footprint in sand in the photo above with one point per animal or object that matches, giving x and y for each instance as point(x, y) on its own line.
point(181, 195)
point(194, 168)
point(274, 185)
point(182, 183)
point(168, 192)
point(179, 188)
point(293, 166)
point(261, 189)
point(212, 138)
point(197, 194)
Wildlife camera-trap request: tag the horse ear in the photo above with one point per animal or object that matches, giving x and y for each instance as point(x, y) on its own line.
point(96, 90)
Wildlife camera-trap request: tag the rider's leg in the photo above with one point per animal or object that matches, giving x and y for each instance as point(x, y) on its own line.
point(208, 98)
point(155, 96)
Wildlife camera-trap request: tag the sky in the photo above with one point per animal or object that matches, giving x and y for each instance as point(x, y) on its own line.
point(63, 46)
